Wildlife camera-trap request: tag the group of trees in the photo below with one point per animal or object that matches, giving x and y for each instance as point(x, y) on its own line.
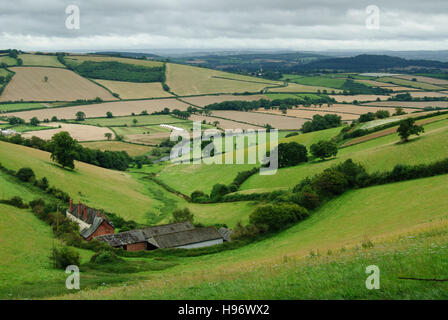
point(322, 122)
point(370, 116)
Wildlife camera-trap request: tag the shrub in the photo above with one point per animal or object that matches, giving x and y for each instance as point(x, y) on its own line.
point(104, 257)
point(64, 257)
point(330, 183)
point(291, 154)
point(16, 202)
point(25, 174)
point(275, 217)
point(181, 215)
point(324, 149)
point(218, 191)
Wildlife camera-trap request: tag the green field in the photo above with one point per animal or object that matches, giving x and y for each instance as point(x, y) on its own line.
point(21, 106)
point(377, 154)
point(266, 269)
point(8, 60)
point(130, 148)
point(320, 82)
point(40, 60)
point(142, 120)
point(24, 127)
point(409, 83)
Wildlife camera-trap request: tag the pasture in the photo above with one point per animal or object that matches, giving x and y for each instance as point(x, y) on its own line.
point(424, 79)
point(51, 84)
point(130, 148)
point(40, 60)
point(187, 80)
point(8, 60)
point(295, 87)
point(223, 123)
point(119, 108)
point(409, 83)
point(78, 59)
point(133, 90)
point(8, 107)
point(333, 83)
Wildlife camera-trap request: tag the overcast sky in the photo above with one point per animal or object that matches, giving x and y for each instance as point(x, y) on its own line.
point(227, 24)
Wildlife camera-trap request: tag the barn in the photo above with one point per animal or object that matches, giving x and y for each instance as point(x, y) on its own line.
point(174, 235)
point(92, 223)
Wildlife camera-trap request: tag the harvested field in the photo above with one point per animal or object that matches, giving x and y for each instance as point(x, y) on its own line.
point(133, 90)
point(131, 149)
point(399, 88)
point(80, 59)
point(295, 87)
point(40, 60)
point(309, 113)
point(356, 109)
point(374, 83)
point(261, 119)
point(142, 120)
point(224, 124)
point(359, 97)
point(202, 101)
point(77, 131)
point(28, 84)
point(410, 104)
point(119, 108)
point(423, 79)
point(187, 80)
point(422, 94)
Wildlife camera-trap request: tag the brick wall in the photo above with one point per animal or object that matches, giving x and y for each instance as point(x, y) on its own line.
point(136, 246)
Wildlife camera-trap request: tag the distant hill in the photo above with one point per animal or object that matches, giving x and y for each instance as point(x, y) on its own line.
point(367, 62)
point(135, 55)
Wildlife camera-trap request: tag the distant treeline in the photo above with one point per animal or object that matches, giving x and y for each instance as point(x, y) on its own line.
point(407, 97)
point(269, 104)
point(117, 160)
point(352, 88)
point(114, 70)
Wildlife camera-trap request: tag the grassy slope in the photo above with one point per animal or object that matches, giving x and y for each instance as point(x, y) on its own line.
point(377, 154)
point(131, 149)
point(25, 245)
point(40, 60)
point(251, 271)
point(20, 106)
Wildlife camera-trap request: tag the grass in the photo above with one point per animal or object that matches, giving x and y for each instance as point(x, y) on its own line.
point(130, 148)
point(320, 81)
point(409, 83)
point(377, 154)
point(40, 60)
point(8, 60)
point(142, 120)
point(25, 127)
point(130, 90)
point(76, 60)
point(110, 190)
point(278, 267)
point(21, 106)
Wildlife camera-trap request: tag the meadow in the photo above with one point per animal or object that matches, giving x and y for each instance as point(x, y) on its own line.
point(127, 120)
point(78, 59)
point(9, 107)
point(131, 149)
point(132, 90)
point(40, 60)
point(409, 83)
point(8, 60)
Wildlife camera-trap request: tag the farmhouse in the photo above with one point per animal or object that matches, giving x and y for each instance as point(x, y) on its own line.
point(175, 235)
point(7, 132)
point(91, 222)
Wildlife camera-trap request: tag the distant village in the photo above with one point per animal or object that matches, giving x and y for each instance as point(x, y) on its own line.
point(94, 224)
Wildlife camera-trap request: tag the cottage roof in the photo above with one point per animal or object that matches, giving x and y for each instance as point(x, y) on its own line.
point(91, 213)
point(87, 232)
point(186, 237)
point(226, 233)
point(123, 238)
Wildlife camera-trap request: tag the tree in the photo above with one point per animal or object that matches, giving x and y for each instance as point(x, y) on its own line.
point(34, 121)
point(134, 121)
point(382, 114)
point(63, 149)
point(291, 154)
point(25, 174)
point(324, 149)
point(80, 116)
point(399, 111)
point(182, 215)
point(109, 114)
point(45, 79)
point(408, 127)
point(108, 135)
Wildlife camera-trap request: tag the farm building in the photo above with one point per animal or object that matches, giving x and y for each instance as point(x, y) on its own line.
point(175, 235)
point(91, 222)
point(8, 132)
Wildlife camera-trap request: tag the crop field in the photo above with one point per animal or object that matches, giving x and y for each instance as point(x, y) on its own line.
point(261, 119)
point(133, 90)
point(358, 97)
point(202, 101)
point(360, 109)
point(119, 108)
point(377, 154)
point(187, 80)
point(309, 113)
point(128, 120)
point(253, 271)
point(408, 83)
point(131, 149)
point(429, 80)
point(431, 94)
point(28, 84)
point(224, 124)
point(95, 186)
point(73, 59)
point(295, 87)
point(40, 60)
point(77, 131)
point(409, 104)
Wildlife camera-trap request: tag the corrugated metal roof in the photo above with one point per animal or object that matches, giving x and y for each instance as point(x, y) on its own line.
point(123, 238)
